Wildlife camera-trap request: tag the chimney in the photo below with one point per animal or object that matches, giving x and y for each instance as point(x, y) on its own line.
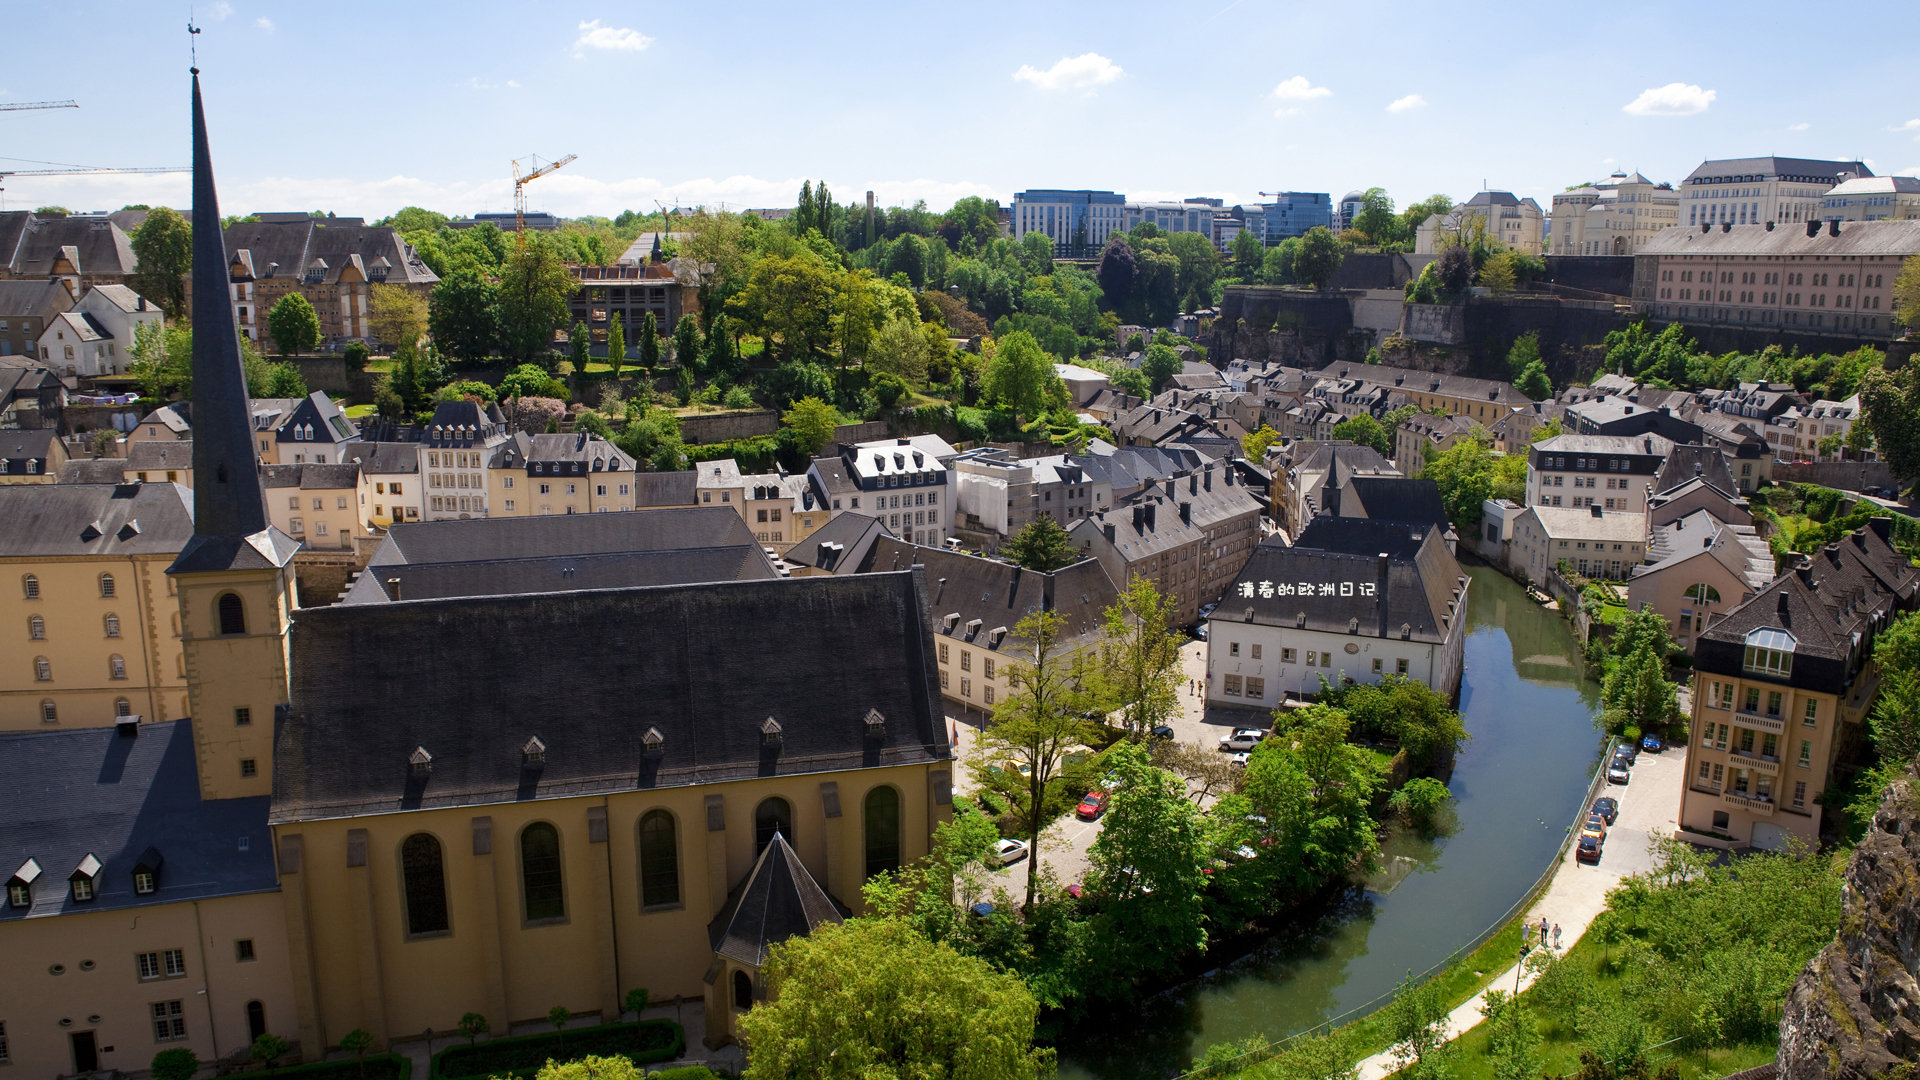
point(1139, 515)
point(1781, 606)
point(1186, 513)
point(1726, 226)
point(1169, 487)
point(126, 727)
point(1769, 226)
point(1193, 484)
point(1108, 527)
point(1209, 479)
point(1813, 228)
point(1706, 227)
point(1833, 227)
point(1150, 507)
point(142, 305)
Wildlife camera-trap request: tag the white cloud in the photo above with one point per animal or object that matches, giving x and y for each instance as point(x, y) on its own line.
point(609, 38)
point(1083, 72)
point(264, 23)
point(1913, 126)
point(219, 11)
point(512, 85)
point(1407, 104)
point(1673, 99)
point(1801, 126)
point(1297, 88)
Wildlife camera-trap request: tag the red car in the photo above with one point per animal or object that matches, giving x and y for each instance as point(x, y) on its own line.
point(1093, 805)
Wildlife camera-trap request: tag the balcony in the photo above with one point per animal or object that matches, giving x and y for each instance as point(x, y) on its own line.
point(1760, 722)
point(1757, 762)
point(1763, 807)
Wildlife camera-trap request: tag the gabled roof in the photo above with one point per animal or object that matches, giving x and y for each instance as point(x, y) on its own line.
point(386, 458)
point(33, 299)
point(652, 489)
point(981, 601)
point(120, 296)
point(1418, 590)
point(31, 443)
point(1391, 498)
point(311, 476)
point(1700, 534)
point(101, 247)
point(160, 455)
point(92, 791)
point(94, 519)
point(778, 900)
point(282, 248)
point(559, 573)
point(841, 546)
point(695, 663)
point(563, 534)
point(1689, 462)
point(81, 324)
point(94, 471)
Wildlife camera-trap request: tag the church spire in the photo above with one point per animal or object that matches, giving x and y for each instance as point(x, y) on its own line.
point(228, 501)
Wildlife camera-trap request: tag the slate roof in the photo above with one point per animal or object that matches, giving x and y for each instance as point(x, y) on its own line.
point(1422, 591)
point(1362, 536)
point(386, 458)
point(1390, 498)
point(31, 243)
point(842, 545)
point(563, 534)
point(295, 245)
point(311, 476)
point(778, 900)
point(665, 489)
point(174, 417)
point(37, 443)
point(589, 453)
point(1770, 167)
point(559, 573)
point(981, 601)
point(703, 665)
point(94, 519)
point(1427, 382)
point(1736, 547)
point(1690, 461)
point(33, 299)
point(1857, 239)
point(82, 325)
point(159, 456)
point(1147, 526)
point(1632, 448)
point(1838, 595)
point(94, 471)
point(85, 791)
point(119, 296)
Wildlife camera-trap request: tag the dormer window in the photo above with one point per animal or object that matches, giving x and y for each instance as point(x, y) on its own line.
point(420, 761)
point(85, 879)
point(534, 752)
point(653, 743)
point(146, 872)
point(770, 733)
point(1769, 652)
point(876, 724)
point(20, 885)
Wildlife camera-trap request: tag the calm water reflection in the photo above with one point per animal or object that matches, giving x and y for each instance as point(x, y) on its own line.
point(1529, 706)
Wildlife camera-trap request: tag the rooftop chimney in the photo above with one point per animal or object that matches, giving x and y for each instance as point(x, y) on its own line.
point(1186, 513)
point(1139, 515)
point(1833, 227)
point(1726, 226)
point(1150, 507)
point(1769, 226)
point(1813, 228)
point(1109, 531)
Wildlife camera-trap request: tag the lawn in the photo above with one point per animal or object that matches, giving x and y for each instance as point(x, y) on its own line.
point(1459, 981)
point(1560, 1049)
point(356, 412)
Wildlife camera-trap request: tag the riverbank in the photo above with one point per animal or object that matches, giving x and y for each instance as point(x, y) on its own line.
point(1649, 809)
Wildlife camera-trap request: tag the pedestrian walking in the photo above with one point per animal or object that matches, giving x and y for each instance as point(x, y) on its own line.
point(1526, 934)
point(1543, 929)
point(1556, 935)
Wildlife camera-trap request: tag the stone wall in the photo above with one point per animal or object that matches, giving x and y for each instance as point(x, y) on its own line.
point(1436, 324)
point(725, 427)
point(1609, 274)
point(1303, 329)
point(1843, 475)
point(325, 373)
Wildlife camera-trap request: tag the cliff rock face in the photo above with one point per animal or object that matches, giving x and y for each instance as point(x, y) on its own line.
point(1854, 1012)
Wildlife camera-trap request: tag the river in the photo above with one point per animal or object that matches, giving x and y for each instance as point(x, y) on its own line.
point(1528, 704)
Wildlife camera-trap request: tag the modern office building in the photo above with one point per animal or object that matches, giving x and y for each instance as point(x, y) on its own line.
point(1754, 190)
point(1077, 221)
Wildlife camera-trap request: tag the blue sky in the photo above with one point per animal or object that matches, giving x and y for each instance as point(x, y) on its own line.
point(362, 108)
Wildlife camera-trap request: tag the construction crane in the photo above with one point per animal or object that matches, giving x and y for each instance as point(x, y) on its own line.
point(10, 106)
point(78, 170)
point(535, 172)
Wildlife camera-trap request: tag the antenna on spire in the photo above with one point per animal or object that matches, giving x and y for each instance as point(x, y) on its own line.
point(193, 47)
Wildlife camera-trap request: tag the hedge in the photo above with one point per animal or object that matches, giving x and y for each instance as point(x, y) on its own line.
point(376, 1066)
point(648, 1040)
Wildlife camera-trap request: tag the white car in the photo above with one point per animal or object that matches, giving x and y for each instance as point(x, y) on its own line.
point(1239, 760)
point(1245, 738)
point(1007, 851)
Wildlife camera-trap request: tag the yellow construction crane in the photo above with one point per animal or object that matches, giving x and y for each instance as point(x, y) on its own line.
point(535, 171)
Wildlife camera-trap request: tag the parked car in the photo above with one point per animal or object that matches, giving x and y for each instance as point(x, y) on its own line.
point(1093, 805)
point(1628, 750)
point(1245, 738)
point(1208, 610)
point(1617, 772)
point(1607, 808)
point(1162, 732)
point(1076, 890)
point(1653, 744)
point(1239, 760)
point(1595, 827)
point(1007, 851)
point(1588, 849)
point(1200, 631)
point(1020, 768)
point(1110, 781)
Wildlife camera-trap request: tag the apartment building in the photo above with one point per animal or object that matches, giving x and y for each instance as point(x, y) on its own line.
point(27, 308)
point(1872, 198)
point(1152, 537)
point(1757, 190)
point(1593, 542)
point(1781, 687)
point(1612, 472)
point(1515, 222)
point(31, 456)
point(1481, 401)
point(316, 504)
point(95, 336)
point(333, 262)
point(1835, 278)
point(1077, 221)
point(456, 449)
point(390, 489)
point(558, 473)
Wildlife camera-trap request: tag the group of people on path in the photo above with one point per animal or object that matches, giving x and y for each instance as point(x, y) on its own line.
point(1527, 933)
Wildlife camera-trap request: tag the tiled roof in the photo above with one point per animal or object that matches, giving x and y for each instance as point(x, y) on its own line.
point(562, 534)
point(841, 546)
point(1416, 593)
point(665, 489)
point(560, 573)
point(777, 901)
point(1584, 523)
point(981, 601)
point(94, 519)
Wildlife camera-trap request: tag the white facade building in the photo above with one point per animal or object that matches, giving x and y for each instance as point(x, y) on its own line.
point(1756, 190)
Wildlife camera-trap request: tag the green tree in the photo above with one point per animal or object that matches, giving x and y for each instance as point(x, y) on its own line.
point(1041, 717)
point(1421, 719)
point(286, 381)
point(1042, 546)
point(1146, 866)
point(1636, 693)
point(1416, 1022)
point(1376, 219)
point(1468, 473)
point(789, 299)
point(1317, 258)
point(1497, 273)
point(1895, 722)
point(909, 257)
point(399, 316)
point(463, 313)
point(558, 1016)
point(635, 1001)
point(163, 256)
point(579, 346)
point(591, 1067)
point(899, 348)
point(294, 325)
point(1906, 293)
point(650, 345)
point(1890, 405)
point(179, 1063)
point(1420, 801)
point(1248, 255)
point(1020, 374)
point(1139, 666)
point(1276, 266)
point(1160, 365)
point(812, 422)
point(1533, 382)
point(1525, 351)
point(529, 380)
point(1116, 271)
point(357, 1042)
point(686, 341)
point(617, 344)
point(1254, 444)
point(683, 386)
point(1513, 1037)
point(1317, 791)
point(267, 1049)
point(1365, 431)
point(162, 360)
point(534, 287)
point(872, 998)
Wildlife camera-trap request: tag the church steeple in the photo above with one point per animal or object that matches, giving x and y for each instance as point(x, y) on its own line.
point(228, 500)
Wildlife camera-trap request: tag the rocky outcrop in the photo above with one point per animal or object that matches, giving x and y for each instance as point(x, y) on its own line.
point(1854, 1012)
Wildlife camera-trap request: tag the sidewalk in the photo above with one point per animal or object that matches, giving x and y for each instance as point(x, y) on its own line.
point(1649, 808)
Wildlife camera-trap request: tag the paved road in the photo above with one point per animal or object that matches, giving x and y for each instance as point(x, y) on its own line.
point(1649, 808)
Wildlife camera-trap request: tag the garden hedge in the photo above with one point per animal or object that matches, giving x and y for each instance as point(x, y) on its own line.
point(643, 1042)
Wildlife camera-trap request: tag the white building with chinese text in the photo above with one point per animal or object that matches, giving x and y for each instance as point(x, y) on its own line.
point(1354, 599)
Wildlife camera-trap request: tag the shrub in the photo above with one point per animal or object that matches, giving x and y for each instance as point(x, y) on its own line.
point(267, 1049)
point(176, 1064)
point(473, 1025)
point(356, 355)
point(636, 1000)
point(648, 1040)
point(738, 398)
point(558, 1016)
point(379, 1067)
point(685, 1072)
